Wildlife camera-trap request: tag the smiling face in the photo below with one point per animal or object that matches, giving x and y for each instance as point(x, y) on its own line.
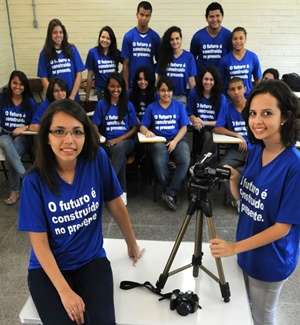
point(238, 40)
point(104, 40)
point(59, 93)
point(208, 82)
point(165, 94)
point(66, 148)
point(57, 36)
point(175, 41)
point(114, 89)
point(214, 20)
point(142, 82)
point(265, 118)
point(16, 86)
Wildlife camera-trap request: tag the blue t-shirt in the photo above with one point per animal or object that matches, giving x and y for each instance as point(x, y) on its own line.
point(40, 111)
point(165, 122)
point(12, 116)
point(102, 66)
point(106, 115)
point(140, 49)
point(179, 71)
point(208, 50)
point(203, 107)
point(245, 68)
point(232, 120)
point(268, 195)
point(72, 219)
point(62, 67)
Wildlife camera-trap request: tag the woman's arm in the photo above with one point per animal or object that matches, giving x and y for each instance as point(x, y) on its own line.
point(192, 82)
point(89, 84)
point(124, 136)
point(45, 83)
point(173, 143)
point(120, 214)
point(125, 72)
point(34, 127)
point(76, 86)
point(220, 247)
point(72, 303)
point(146, 132)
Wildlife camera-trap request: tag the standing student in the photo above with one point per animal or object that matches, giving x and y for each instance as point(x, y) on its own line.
point(62, 201)
point(212, 42)
point(168, 118)
point(101, 61)
point(241, 62)
point(60, 59)
point(116, 118)
point(56, 90)
point(268, 232)
point(176, 64)
point(140, 44)
point(16, 110)
point(204, 103)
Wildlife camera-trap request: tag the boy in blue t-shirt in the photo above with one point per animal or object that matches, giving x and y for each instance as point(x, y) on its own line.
point(140, 44)
point(212, 42)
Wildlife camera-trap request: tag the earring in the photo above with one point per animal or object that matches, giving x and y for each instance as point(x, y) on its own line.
point(282, 123)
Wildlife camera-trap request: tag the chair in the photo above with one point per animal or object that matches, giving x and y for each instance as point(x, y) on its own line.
point(36, 87)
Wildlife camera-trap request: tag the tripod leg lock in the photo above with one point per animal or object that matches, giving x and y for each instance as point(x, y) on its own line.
point(197, 260)
point(225, 291)
point(161, 282)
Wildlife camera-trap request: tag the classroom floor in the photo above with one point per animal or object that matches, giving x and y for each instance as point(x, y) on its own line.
point(151, 221)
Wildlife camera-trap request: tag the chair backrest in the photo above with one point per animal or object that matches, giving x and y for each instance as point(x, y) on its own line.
point(36, 87)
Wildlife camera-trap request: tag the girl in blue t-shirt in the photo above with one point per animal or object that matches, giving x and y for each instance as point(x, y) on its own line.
point(60, 59)
point(241, 62)
point(177, 64)
point(16, 110)
point(56, 90)
point(62, 201)
point(268, 232)
point(101, 61)
point(116, 120)
point(168, 118)
point(204, 103)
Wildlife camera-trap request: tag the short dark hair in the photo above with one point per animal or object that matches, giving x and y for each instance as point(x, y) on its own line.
point(287, 103)
point(234, 80)
point(273, 71)
point(45, 161)
point(165, 80)
point(239, 29)
point(214, 6)
point(146, 5)
point(61, 84)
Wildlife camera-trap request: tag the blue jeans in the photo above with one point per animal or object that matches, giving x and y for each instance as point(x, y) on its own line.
point(160, 157)
point(14, 148)
point(118, 156)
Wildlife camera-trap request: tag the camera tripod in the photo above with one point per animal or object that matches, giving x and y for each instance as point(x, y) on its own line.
point(201, 205)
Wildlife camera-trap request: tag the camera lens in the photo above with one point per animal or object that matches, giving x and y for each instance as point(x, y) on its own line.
point(184, 308)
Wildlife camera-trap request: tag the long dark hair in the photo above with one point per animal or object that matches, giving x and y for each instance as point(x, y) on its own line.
point(166, 50)
point(60, 83)
point(113, 51)
point(26, 94)
point(216, 91)
point(287, 103)
point(149, 92)
point(49, 48)
point(45, 161)
point(123, 99)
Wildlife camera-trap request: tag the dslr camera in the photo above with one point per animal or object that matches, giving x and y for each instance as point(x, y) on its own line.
point(184, 303)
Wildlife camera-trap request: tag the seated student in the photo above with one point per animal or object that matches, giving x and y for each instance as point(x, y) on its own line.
point(204, 103)
point(16, 110)
point(271, 73)
point(231, 122)
point(116, 117)
point(240, 62)
point(168, 118)
point(56, 90)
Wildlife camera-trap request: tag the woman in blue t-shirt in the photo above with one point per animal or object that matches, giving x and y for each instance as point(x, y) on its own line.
point(60, 59)
point(176, 63)
point(101, 61)
point(204, 103)
point(62, 202)
point(16, 110)
point(116, 120)
point(56, 90)
point(268, 232)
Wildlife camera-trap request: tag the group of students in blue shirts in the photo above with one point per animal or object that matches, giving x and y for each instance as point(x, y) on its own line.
point(189, 91)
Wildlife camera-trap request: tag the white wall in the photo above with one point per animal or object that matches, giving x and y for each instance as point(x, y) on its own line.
point(6, 57)
point(273, 25)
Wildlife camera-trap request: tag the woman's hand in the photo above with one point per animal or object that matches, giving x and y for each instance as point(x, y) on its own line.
point(149, 134)
point(197, 123)
point(112, 142)
point(73, 305)
point(243, 144)
point(134, 252)
point(171, 145)
point(221, 248)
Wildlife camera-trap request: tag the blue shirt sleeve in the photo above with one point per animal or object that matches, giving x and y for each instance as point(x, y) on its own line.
point(132, 119)
point(89, 63)
point(222, 117)
point(39, 112)
point(257, 74)
point(43, 66)
point(192, 67)
point(78, 64)
point(147, 118)
point(184, 119)
point(125, 53)
point(98, 115)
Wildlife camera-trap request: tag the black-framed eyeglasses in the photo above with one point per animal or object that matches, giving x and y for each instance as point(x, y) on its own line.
point(61, 133)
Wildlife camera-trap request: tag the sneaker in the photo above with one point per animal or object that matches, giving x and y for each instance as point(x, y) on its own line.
point(169, 200)
point(124, 198)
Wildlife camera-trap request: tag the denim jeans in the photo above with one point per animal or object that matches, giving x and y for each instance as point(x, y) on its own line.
point(160, 157)
point(118, 155)
point(14, 148)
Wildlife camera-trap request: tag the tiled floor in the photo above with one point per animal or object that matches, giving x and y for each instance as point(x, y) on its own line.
point(151, 221)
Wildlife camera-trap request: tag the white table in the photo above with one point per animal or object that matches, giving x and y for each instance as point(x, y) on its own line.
point(221, 138)
point(140, 307)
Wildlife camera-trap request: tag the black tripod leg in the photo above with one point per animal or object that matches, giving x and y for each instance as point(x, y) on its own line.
point(197, 257)
point(164, 276)
point(224, 286)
